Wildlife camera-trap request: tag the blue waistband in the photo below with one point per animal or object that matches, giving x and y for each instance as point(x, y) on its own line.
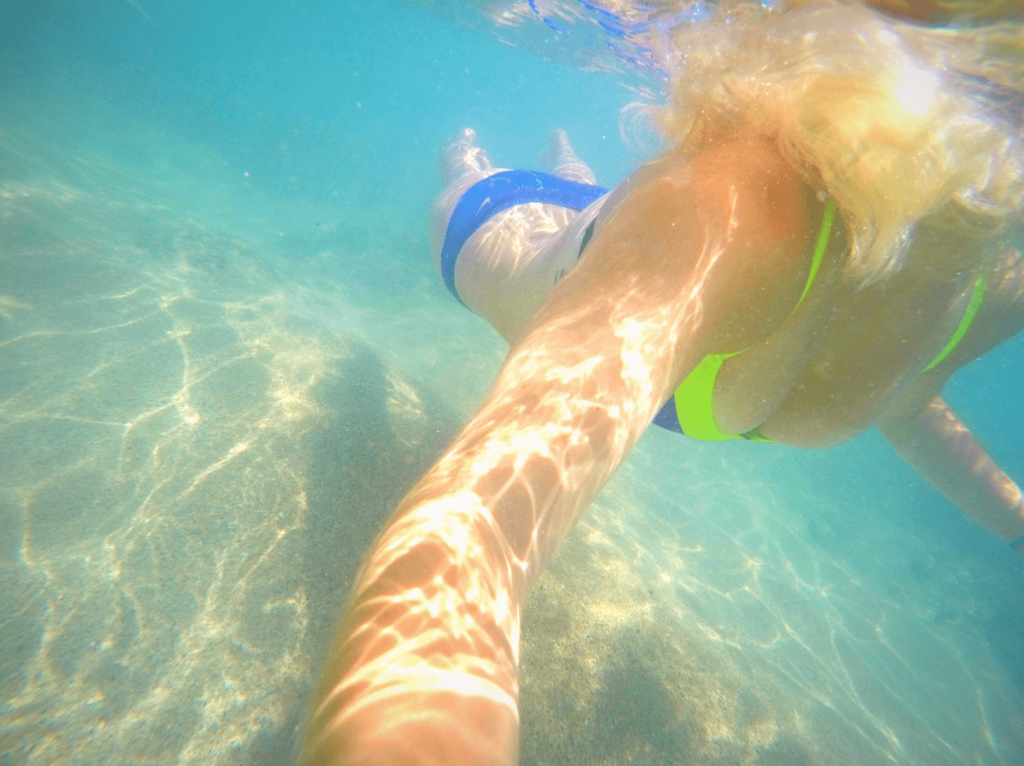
point(500, 192)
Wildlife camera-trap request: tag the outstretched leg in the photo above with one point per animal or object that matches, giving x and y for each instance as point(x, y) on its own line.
point(463, 164)
point(564, 161)
point(460, 155)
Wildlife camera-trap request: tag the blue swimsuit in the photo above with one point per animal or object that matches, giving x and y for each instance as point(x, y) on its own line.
point(500, 192)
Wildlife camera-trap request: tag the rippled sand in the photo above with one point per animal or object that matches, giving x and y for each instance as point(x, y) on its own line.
point(196, 452)
point(727, 639)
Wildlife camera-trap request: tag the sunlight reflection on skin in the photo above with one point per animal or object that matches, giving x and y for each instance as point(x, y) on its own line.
point(521, 230)
point(431, 656)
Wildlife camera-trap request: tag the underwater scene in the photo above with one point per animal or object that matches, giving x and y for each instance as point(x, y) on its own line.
point(226, 355)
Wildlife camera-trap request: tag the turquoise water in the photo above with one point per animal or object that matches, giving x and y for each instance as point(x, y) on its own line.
point(225, 356)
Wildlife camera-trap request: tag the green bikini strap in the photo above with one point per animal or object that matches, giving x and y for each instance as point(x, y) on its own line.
point(819, 249)
point(694, 395)
point(977, 297)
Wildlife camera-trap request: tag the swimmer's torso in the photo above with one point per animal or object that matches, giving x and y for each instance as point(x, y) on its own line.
point(856, 355)
point(852, 353)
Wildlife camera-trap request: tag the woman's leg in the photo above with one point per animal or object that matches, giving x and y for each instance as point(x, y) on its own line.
point(564, 161)
point(463, 164)
point(460, 155)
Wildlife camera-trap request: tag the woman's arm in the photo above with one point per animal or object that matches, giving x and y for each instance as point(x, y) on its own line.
point(944, 451)
point(424, 670)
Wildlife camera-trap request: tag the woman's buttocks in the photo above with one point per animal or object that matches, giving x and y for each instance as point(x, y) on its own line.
point(510, 264)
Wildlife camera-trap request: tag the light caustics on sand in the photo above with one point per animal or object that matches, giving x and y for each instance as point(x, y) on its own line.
point(151, 493)
point(145, 604)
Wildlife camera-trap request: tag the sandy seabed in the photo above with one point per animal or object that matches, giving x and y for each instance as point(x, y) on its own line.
point(197, 446)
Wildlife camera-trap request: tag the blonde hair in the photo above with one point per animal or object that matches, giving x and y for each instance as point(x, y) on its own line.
point(895, 121)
